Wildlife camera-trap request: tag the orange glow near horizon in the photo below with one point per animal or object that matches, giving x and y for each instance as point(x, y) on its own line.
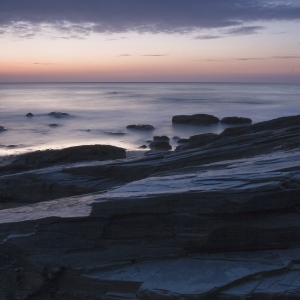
point(150, 58)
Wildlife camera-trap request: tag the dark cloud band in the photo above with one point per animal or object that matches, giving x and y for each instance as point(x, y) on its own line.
point(146, 16)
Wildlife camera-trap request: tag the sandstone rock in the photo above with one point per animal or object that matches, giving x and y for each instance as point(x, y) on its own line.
point(58, 114)
point(201, 119)
point(29, 115)
point(140, 127)
point(236, 120)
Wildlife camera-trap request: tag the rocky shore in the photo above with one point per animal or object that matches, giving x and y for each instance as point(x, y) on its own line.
point(218, 218)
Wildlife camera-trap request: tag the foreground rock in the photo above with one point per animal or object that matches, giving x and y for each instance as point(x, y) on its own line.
point(236, 120)
point(140, 127)
point(200, 119)
point(219, 221)
point(2, 128)
point(160, 143)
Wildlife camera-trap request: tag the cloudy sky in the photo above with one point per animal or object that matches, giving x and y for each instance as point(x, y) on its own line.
point(150, 40)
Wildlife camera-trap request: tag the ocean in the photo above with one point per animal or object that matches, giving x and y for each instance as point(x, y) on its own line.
point(100, 112)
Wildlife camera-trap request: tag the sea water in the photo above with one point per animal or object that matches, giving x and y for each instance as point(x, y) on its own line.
point(100, 112)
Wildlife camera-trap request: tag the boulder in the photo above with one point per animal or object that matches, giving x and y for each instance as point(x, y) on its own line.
point(58, 114)
point(29, 115)
point(2, 128)
point(70, 155)
point(160, 145)
point(143, 147)
point(157, 138)
point(140, 127)
point(197, 141)
point(54, 125)
point(236, 120)
point(201, 119)
point(183, 141)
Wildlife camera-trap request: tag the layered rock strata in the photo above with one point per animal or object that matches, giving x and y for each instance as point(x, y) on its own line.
point(219, 221)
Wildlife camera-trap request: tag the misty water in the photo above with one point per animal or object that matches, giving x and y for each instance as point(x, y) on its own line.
point(100, 112)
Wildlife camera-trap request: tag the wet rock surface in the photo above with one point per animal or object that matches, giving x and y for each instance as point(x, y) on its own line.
point(218, 221)
point(201, 119)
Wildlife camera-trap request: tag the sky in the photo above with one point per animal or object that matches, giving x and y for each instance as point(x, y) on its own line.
point(150, 41)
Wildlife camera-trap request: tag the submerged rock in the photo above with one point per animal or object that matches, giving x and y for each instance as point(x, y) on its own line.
point(58, 114)
point(200, 119)
point(236, 120)
point(54, 125)
point(140, 127)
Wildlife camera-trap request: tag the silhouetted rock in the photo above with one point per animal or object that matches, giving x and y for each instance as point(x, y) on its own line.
point(175, 138)
point(54, 125)
point(183, 141)
point(2, 128)
point(58, 114)
point(236, 120)
point(71, 154)
point(197, 141)
point(157, 138)
point(160, 145)
point(140, 127)
point(201, 119)
point(143, 147)
point(29, 115)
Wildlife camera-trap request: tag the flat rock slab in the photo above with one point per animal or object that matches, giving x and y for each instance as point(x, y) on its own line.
point(190, 277)
point(64, 208)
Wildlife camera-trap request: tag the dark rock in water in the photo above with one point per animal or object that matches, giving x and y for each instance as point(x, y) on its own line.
point(161, 138)
point(148, 141)
point(29, 115)
point(160, 145)
point(201, 119)
point(58, 114)
point(114, 133)
point(140, 127)
point(175, 138)
point(198, 140)
point(54, 125)
point(11, 146)
point(236, 120)
point(183, 141)
point(69, 155)
point(2, 128)
point(143, 147)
